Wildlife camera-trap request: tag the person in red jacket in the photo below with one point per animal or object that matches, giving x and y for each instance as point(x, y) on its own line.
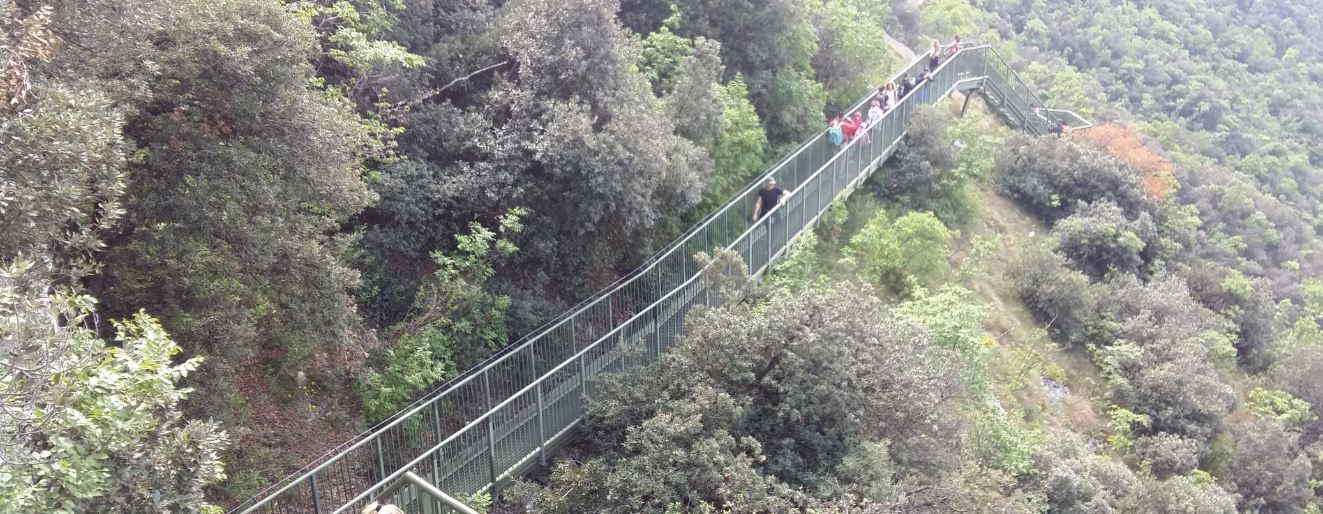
point(849, 127)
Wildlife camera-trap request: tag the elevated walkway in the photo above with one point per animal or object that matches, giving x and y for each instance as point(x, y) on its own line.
point(499, 418)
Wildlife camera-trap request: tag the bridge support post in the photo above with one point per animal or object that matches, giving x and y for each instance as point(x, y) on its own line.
point(541, 429)
point(436, 455)
point(965, 106)
point(656, 331)
point(491, 450)
point(316, 498)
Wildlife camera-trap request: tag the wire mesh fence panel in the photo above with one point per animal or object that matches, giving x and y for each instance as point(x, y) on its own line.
point(463, 463)
point(516, 434)
point(556, 346)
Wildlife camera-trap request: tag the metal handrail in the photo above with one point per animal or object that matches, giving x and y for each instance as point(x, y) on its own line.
point(406, 424)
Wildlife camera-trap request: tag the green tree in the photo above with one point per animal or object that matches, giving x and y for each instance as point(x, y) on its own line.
point(1268, 470)
point(902, 254)
point(740, 151)
point(92, 427)
point(763, 397)
point(926, 173)
point(1098, 238)
point(772, 45)
point(56, 203)
point(852, 57)
point(455, 322)
point(1158, 349)
point(1051, 176)
point(61, 167)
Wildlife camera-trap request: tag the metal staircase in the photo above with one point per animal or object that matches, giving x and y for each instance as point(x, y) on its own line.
point(492, 423)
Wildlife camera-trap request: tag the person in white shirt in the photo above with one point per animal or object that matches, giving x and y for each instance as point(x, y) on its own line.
point(874, 114)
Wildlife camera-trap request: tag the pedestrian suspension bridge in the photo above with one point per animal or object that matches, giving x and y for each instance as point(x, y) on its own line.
point(498, 419)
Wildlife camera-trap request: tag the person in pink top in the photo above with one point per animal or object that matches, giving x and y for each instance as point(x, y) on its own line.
point(954, 48)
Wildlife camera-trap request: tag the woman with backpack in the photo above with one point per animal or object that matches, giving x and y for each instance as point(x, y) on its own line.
point(835, 131)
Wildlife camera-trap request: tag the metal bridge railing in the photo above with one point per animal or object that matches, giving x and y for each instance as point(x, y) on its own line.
point(499, 418)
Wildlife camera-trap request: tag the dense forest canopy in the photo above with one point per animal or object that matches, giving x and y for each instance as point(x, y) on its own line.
point(237, 232)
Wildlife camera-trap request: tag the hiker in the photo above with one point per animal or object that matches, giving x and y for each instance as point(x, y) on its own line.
point(935, 56)
point(875, 113)
point(887, 94)
point(860, 127)
point(768, 198)
point(381, 508)
point(874, 116)
point(849, 127)
point(835, 134)
point(954, 47)
point(911, 83)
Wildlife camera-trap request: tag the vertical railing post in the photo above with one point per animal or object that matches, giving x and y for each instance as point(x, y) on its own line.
point(487, 388)
point(381, 458)
point(748, 244)
point(583, 379)
point(316, 498)
point(541, 428)
point(436, 455)
point(684, 259)
point(656, 329)
point(491, 448)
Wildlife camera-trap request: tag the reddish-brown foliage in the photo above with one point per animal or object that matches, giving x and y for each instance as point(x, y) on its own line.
point(1124, 142)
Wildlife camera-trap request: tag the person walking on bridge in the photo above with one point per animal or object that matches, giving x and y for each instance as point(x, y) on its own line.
point(954, 47)
point(768, 198)
point(874, 114)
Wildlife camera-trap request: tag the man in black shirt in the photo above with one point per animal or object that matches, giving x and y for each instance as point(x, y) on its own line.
point(768, 197)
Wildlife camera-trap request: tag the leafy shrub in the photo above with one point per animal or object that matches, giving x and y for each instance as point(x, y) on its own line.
point(923, 174)
point(1181, 495)
point(758, 399)
point(1098, 238)
point(1058, 296)
point(1168, 454)
point(1073, 479)
point(1280, 406)
point(901, 255)
point(1157, 347)
point(1000, 443)
point(1268, 470)
point(415, 362)
point(454, 323)
point(87, 426)
point(1050, 176)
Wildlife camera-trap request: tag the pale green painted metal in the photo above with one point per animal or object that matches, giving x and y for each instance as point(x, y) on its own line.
point(500, 417)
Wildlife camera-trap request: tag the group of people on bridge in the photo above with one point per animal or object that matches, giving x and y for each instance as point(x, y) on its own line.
point(845, 128)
